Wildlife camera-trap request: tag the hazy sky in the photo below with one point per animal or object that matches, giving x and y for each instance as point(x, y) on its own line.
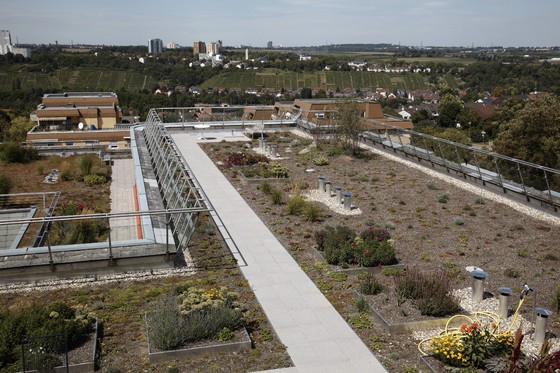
point(286, 22)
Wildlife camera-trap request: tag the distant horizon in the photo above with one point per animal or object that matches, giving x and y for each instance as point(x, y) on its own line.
point(290, 23)
point(241, 46)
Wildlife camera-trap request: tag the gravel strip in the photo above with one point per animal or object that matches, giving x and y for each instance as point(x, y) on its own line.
point(80, 282)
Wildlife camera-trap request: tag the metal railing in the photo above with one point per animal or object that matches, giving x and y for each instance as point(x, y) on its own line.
point(531, 180)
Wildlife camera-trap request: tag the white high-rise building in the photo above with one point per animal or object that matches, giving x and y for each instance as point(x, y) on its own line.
point(5, 42)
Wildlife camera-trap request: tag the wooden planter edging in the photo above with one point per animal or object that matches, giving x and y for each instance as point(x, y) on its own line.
point(226, 347)
point(253, 181)
point(358, 270)
point(87, 367)
point(412, 326)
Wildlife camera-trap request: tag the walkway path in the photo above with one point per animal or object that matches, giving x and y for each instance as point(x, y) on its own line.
point(122, 199)
point(316, 336)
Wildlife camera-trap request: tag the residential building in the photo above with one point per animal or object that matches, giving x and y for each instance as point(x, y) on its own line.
point(322, 112)
point(207, 48)
point(172, 45)
point(269, 45)
point(74, 120)
point(155, 46)
point(199, 47)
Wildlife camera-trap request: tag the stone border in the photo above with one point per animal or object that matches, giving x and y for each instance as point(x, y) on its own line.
point(228, 347)
point(87, 367)
point(412, 326)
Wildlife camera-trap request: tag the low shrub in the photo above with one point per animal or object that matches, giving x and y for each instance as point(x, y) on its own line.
point(265, 187)
point(277, 196)
point(244, 159)
point(320, 161)
point(343, 247)
point(430, 292)
point(443, 198)
point(13, 152)
point(361, 304)
point(312, 211)
point(165, 325)
point(6, 184)
point(95, 179)
point(194, 315)
point(295, 205)
point(369, 285)
point(40, 320)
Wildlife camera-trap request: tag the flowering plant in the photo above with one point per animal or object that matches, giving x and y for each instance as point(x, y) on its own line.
point(471, 345)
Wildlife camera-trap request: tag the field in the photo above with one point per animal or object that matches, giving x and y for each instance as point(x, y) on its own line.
point(76, 79)
point(278, 79)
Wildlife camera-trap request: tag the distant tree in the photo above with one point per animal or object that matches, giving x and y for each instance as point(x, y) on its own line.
point(449, 108)
point(306, 93)
point(533, 133)
point(18, 129)
point(348, 126)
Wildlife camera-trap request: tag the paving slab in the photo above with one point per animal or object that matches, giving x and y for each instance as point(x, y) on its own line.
point(317, 338)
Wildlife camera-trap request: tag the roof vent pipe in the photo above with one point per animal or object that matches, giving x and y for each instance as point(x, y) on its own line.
point(478, 278)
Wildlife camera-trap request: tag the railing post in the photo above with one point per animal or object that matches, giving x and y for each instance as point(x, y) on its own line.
point(111, 259)
point(167, 221)
point(51, 262)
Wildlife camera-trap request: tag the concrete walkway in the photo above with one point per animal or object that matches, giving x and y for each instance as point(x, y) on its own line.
point(316, 336)
point(122, 199)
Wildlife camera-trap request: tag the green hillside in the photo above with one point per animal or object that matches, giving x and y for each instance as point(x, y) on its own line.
point(274, 78)
point(75, 79)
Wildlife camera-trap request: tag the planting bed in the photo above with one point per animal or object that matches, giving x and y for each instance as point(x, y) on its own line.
point(435, 226)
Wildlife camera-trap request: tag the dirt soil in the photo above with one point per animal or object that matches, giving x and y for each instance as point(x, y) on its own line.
point(428, 233)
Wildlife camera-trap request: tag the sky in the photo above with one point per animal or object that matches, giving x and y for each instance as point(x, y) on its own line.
point(290, 23)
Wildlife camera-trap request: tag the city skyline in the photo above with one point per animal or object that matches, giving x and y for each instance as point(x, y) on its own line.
point(485, 23)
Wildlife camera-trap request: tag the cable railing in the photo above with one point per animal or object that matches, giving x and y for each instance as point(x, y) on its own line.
point(531, 180)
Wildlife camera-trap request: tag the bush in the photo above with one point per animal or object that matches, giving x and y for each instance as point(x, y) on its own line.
point(296, 205)
point(66, 175)
point(430, 292)
point(15, 153)
point(312, 211)
point(6, 184)
point(265, 187)
point(375, 234)
point(277, 197)
point(443, 198)
point(95, 179)
point(85, 164)
point(165, 325)
point(320, 161)
point(362, 305)
point(369, 285)
point(342, 247)
point(39, 320)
